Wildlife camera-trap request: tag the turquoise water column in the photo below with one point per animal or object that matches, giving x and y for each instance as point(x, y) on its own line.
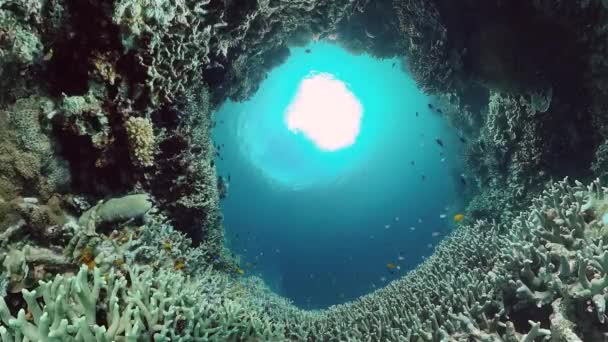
point(335, 172)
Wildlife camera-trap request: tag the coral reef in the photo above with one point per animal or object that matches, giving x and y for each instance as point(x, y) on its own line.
point(110, 103)
point(138, 305)
point(29, 164)
point(545, 274)
point(192, 198)
point(141, 140)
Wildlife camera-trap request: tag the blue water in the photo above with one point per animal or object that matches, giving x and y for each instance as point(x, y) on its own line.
point(313, 224)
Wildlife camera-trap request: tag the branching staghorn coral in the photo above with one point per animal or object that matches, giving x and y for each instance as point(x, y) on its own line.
point(137, 306)
point(545, 273)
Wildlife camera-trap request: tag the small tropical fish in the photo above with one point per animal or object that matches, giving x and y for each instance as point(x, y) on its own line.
point(463, 180)
point(387, 226)
point(439, 142)
point(248, 265)
point(179, 265)
point(458, 217)
point(435, 234)
point(439, 111)
point(431, 106)
point(308, 50)
point(413, 163)
point(396, 218)
point(239, 271)
point(383, 279)
point(400, 258)
point(442, 160)
point(412, 228)
point(394, 64)
point(442, 216)
point(423, 177)
point(462, 140)
point(398, 267)
point(420, 220)
point(430, 245)
point(48, 56)
point(391, 266)
point(416, 114)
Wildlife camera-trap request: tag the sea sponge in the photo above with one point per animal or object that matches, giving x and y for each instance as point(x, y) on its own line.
point(141, 140)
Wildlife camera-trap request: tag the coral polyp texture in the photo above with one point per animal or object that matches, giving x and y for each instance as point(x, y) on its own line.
point(110, 220)
point(140, 135)
point(482, 283)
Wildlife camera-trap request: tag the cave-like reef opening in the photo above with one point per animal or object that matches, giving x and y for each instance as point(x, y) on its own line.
point(110, 220)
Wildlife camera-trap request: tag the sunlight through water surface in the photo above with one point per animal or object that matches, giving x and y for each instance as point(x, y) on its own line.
point(326, 112)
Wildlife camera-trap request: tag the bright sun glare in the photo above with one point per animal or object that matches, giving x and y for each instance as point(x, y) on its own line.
point(326, 112)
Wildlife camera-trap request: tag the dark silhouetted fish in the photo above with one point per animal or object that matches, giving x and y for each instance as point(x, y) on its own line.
point(416, 114)
point(308, 50)
point(431, 106)
point(413, 163)
point(439, 111)
point(462, 140)
point(439, 142)
point(423, 177)
point(394, 64)
point(463, 180)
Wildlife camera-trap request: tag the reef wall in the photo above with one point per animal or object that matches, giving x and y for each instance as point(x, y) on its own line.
point(110, 227)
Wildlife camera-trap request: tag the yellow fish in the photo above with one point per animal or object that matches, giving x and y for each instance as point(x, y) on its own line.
point(391, 266)
point(240, 271)
point(458, 217)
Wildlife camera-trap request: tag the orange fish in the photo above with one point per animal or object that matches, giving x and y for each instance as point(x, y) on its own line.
point(458, 217)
